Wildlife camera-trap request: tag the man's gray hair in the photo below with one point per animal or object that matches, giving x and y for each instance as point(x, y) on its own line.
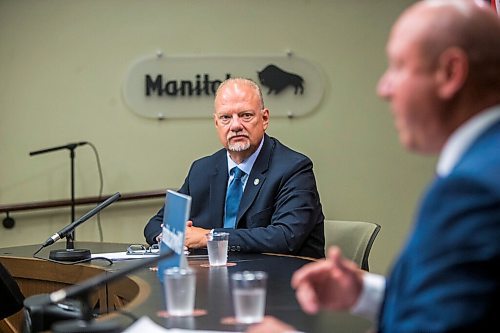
point(243, 81)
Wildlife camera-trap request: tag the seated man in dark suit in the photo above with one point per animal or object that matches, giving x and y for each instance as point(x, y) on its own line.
point(443, 84)
point(258, 190)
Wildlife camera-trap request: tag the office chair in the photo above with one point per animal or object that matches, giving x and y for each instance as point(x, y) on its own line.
point(354, 238)
point(10, 295)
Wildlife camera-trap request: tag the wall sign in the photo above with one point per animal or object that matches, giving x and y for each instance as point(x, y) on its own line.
point(164, 87)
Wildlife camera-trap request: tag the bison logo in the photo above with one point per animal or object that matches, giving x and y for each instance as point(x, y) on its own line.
point(277, 79)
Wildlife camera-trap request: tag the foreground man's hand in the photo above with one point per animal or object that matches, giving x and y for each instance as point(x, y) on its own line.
point(270, 325)
point(333, 284)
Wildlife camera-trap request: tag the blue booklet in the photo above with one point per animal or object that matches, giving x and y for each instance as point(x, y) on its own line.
point(175, 216)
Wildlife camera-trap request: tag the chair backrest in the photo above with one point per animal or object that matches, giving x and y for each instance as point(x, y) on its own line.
point(11, 298)
point(354, 238)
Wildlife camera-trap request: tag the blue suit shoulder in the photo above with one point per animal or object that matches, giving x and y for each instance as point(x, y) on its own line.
point(481, 162)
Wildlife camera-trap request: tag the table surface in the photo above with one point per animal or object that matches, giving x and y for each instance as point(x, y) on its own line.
point(213, 291)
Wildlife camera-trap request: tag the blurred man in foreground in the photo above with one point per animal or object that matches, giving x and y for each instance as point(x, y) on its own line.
point(443, 84)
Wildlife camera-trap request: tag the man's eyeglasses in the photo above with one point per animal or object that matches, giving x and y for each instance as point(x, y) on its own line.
point(141, 249)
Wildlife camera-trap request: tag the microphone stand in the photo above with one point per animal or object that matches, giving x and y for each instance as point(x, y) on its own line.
point(71, 146)
point(76, 254)
point(70, 245)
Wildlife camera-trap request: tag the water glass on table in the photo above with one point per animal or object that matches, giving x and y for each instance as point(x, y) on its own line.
point(217, 248)
point(249, 296)
point(180, 290)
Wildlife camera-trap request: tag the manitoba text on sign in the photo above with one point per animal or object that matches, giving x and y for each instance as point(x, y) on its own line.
point(163, 87)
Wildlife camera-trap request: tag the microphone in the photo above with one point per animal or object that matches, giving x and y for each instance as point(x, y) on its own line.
point(69, 228)
point(70, 254)
point(37, 307)
point(71, 147)
point(68, 146)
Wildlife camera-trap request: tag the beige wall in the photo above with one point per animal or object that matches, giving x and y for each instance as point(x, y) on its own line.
point(62, 65)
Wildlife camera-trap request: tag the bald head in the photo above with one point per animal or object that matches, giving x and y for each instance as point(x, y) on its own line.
point(236, 84)
point(444, 67)
point(469, 25)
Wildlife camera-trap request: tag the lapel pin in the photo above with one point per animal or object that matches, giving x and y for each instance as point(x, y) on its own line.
point(256, 181)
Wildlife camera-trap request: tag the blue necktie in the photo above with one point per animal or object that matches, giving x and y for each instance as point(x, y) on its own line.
point(233, 197)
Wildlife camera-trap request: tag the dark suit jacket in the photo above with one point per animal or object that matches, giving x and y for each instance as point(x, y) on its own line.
point(448, 277)
point(280, 210)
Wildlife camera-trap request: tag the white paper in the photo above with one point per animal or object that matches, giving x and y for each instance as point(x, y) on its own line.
point(123, 255)
point(145, 324)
